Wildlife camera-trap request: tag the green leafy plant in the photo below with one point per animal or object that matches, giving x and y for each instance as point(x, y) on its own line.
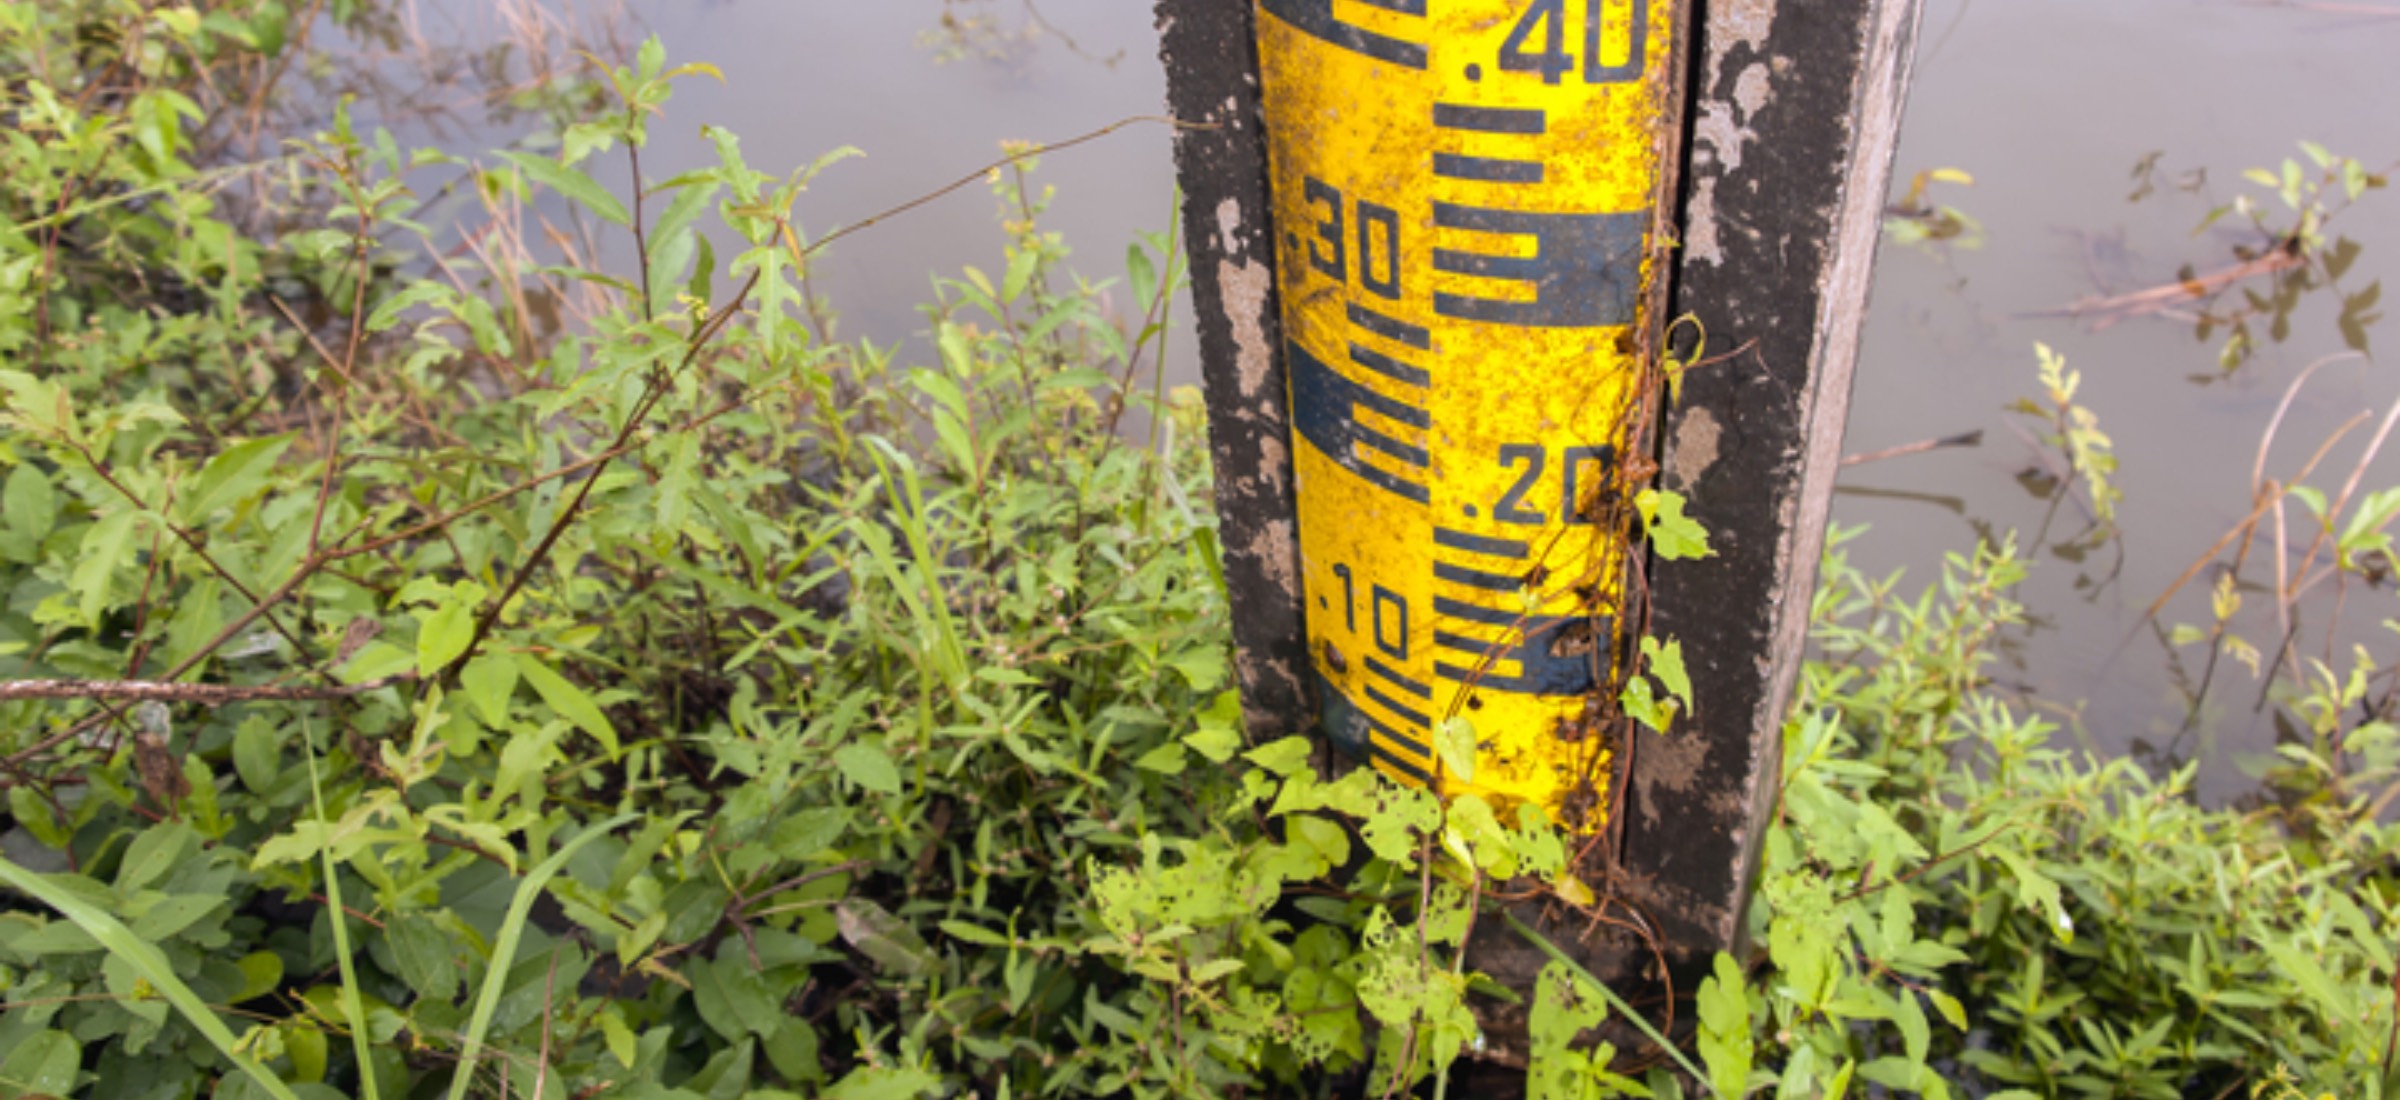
point(2075, 432)
point(2299, 251)
point(2077, 927)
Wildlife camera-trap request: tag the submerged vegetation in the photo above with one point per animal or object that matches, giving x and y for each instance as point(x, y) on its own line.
point(436, 666)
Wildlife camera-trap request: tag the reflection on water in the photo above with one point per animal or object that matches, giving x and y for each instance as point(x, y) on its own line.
point(1004, 33)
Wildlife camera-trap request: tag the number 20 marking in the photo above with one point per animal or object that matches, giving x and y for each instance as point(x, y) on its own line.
point(1510, 508)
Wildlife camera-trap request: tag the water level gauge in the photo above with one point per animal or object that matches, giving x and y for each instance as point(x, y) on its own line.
point(1467, 197)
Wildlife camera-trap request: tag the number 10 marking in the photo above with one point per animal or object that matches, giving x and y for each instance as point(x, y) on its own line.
point(1395, 643)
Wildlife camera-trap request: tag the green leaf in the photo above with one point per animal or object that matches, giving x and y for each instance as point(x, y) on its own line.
point(727, 1074)
point(1476, 828)
point(1675, 536)
point(2314, 499)
point(957, 354)
point(569, 701)
point(1916, 1036)
point(257, 754)
point(973, 933)
point(571, 183)
point(1021, 265)
point(676, 484)
point(2371, 515)
point(808, 832)
point(2303, 970)
point(877, 934)
point(1640, 702)
point(40, 407)
point(106, 546)
point(269, 24)
point(33, 812)
point(1284, 757)
point(1219, 735)
point(618, 1037)
point(44, 1064)
point(261, 972)
point(161, 920)
point(1217, 743)
point(374, 661)
point(1726, 1047)
point(735, 998)
point(1454, 743)
point(152, 854)
point(306, 1046)
point(28, 511)
point(490, 679)
point(1143, 276)
point(148, 962)
point(868, 766)
point(1665, 664)
point(234, 473)
point(1950, 1009)
point(425, 952)
point(1202, 669)
point(2038, 891)
point(1166, 759)
point(444, 633)
point(690, 201)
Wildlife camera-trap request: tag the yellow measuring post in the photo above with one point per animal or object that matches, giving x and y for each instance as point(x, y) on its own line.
point(1467, 197)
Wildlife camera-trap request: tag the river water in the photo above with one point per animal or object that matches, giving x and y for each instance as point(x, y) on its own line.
point(2050, 106)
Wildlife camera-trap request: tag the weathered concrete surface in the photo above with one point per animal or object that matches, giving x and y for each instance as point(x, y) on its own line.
point(1210, 51)
point(1796, 108)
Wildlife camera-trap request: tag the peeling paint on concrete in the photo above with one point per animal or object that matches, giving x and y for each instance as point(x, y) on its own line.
point(1736, 22)
point(1695, 448)
point(1277, 549)
point(1245, 286)
point(1718, 134)
point(1229, 227)
point(1750, 91)
point(1721, 126)
point(1700, 243)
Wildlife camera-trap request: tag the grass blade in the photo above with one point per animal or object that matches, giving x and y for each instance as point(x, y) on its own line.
point(504, 950)
point(147, 961)
point(352, 1011)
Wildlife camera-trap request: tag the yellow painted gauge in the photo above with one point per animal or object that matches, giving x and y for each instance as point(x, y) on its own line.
point(1464, 194)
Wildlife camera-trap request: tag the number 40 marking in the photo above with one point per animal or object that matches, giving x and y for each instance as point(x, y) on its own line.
point(1624, 22)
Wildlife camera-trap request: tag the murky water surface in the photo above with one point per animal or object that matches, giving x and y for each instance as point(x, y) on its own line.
point(2049, 104)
